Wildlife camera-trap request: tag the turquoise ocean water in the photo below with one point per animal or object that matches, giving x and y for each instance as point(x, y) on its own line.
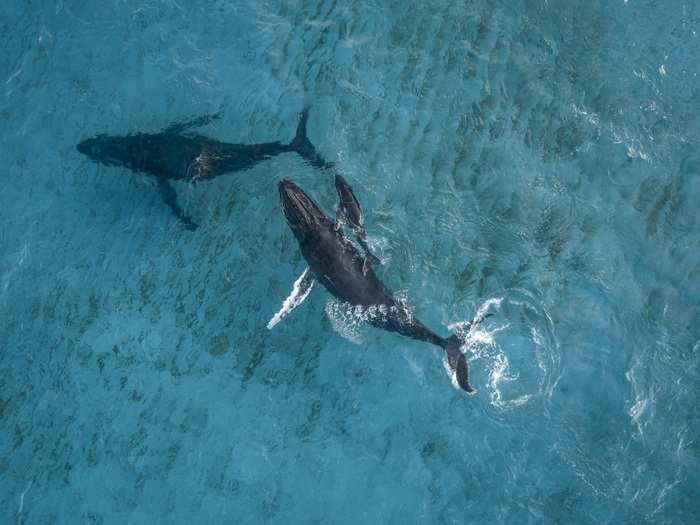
point(535, 159)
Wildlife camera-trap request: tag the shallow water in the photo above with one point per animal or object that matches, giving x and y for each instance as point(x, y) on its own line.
point(537, 160)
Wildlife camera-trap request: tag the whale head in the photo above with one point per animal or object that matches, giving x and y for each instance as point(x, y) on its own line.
point(106, 149)
point(302, 213)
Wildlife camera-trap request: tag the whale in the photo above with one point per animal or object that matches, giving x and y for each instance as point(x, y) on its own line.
point(179, 153)
point(335, 263)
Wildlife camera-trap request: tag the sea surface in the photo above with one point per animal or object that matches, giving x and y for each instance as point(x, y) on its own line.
point(537, 160)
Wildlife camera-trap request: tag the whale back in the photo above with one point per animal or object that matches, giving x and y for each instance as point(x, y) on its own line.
point(336, 263)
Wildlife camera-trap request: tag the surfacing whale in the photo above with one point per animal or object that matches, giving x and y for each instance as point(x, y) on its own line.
point(178, 153)
point(335, 263)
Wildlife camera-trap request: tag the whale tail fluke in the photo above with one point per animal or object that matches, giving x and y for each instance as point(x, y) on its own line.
point(456, 361)
point(457, 364)
point(303, 146)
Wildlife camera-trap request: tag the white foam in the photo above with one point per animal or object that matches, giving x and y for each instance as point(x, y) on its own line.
point(500, 373)
point(641, 410)
point(508, 376)
point(463, 328)
point(347, 319)
point(344, 320)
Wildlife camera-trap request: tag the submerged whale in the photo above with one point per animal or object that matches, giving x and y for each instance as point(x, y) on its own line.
point(178, 153)
point(334, 262)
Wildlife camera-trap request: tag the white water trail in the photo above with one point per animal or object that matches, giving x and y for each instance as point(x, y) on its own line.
point(21, 500)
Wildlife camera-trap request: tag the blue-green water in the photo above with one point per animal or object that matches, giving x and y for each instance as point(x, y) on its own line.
point(536, 158)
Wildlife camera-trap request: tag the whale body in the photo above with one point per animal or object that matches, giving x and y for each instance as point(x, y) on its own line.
point(178, 153)
point(336, 264)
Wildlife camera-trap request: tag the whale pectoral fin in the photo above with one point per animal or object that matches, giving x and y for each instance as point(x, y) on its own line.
point(349, 206)
point(170, 198)
point(179, 127)
point(300, 291)
point(350, 212)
